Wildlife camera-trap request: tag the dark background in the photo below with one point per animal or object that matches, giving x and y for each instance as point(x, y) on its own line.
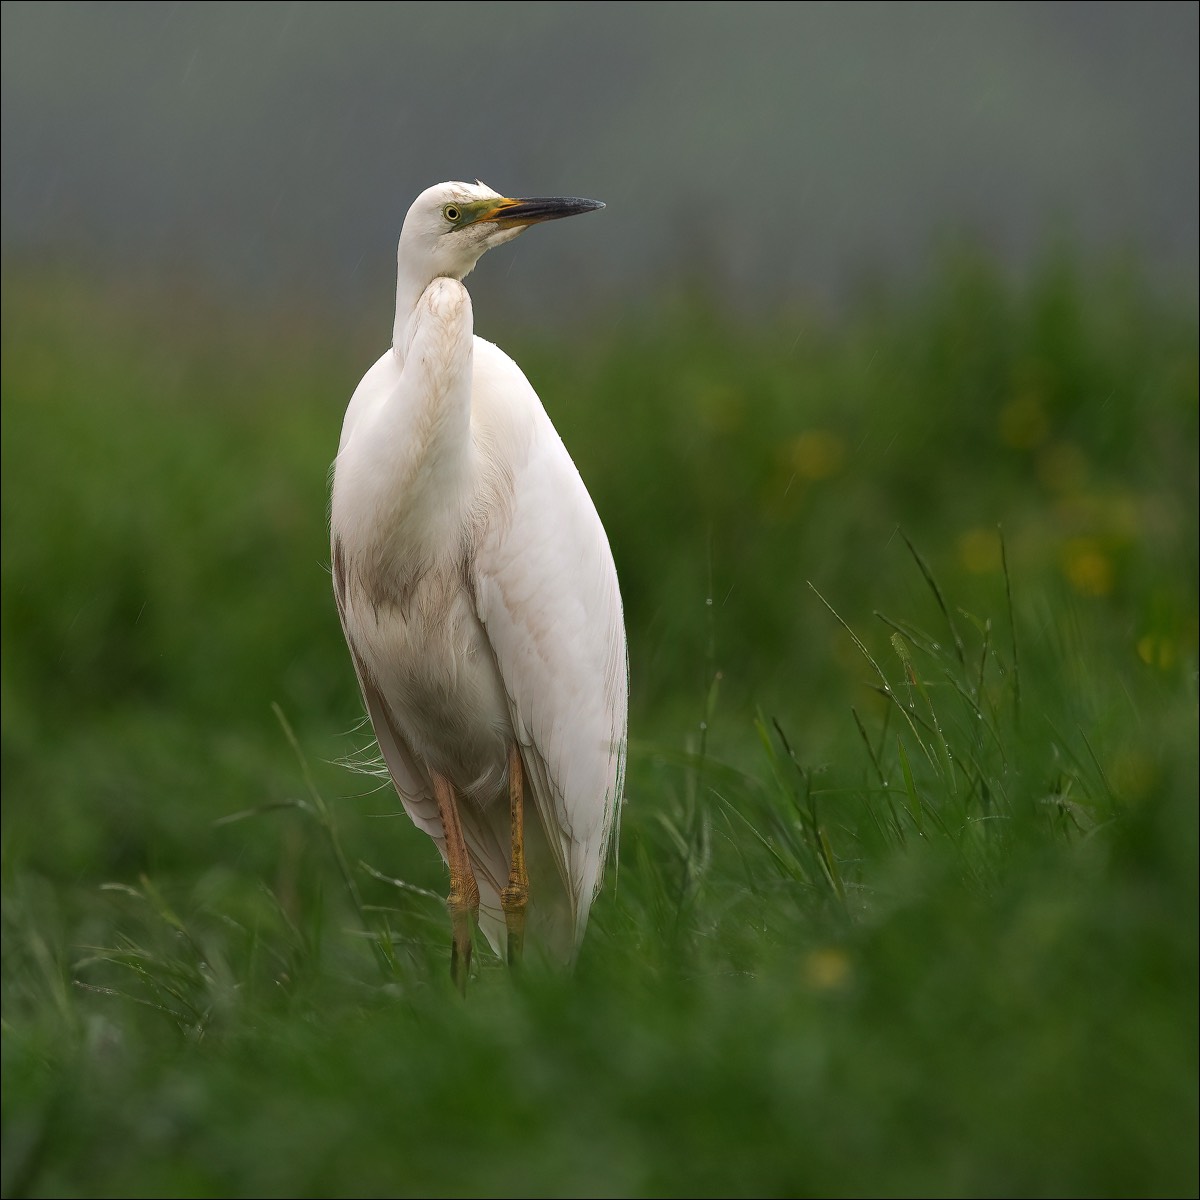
point(776, 150)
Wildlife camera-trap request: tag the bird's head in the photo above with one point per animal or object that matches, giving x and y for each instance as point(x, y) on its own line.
point(451, 225)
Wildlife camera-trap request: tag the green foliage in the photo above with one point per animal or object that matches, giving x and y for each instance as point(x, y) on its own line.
point(906, 900)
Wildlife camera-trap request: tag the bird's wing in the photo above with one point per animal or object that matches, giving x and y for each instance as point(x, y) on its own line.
point(547, 594)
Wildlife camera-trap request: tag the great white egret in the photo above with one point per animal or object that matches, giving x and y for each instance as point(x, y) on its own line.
point(478, 596)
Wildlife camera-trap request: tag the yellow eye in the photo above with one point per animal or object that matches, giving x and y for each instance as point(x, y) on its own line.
point(452, 213)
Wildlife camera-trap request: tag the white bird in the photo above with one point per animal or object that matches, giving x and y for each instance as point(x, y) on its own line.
point(478, 596)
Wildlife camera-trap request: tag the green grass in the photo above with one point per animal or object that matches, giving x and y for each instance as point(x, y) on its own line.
point(907, 894)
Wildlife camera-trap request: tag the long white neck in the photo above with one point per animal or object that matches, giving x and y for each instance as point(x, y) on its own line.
point(409, 286)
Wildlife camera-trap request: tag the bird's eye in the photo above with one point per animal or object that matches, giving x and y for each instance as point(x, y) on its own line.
point(452, 213)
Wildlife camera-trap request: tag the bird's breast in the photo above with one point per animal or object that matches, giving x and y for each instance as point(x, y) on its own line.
point(430, 659)
point(423, 473)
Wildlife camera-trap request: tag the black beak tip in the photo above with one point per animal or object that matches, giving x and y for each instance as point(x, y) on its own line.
point(547, 208)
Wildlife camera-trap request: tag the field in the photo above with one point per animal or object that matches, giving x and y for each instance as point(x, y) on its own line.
point(906, 900)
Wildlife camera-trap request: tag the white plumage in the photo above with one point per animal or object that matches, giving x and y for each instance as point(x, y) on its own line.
point(475, 584)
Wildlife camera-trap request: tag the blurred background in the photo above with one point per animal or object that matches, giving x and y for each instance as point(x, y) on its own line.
point(881, 367)
point(776, 149)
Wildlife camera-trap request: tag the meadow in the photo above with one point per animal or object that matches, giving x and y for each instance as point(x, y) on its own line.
point(906, 899)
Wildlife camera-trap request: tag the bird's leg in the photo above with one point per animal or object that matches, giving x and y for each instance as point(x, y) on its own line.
point(463, 900)
point(515, 897)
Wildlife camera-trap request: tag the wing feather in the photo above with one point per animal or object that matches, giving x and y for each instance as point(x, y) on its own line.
point(546, 591)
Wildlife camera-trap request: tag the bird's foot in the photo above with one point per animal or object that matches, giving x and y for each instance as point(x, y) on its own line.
point(460, 947)
point(514, 900)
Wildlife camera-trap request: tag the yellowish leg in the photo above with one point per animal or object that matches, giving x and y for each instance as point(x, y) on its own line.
point(463, 900)
point(515, 897)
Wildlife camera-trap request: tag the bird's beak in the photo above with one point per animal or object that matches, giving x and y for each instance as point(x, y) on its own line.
point(532, 209)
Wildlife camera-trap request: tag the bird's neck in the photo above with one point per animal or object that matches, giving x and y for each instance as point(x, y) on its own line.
point(408, 291)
